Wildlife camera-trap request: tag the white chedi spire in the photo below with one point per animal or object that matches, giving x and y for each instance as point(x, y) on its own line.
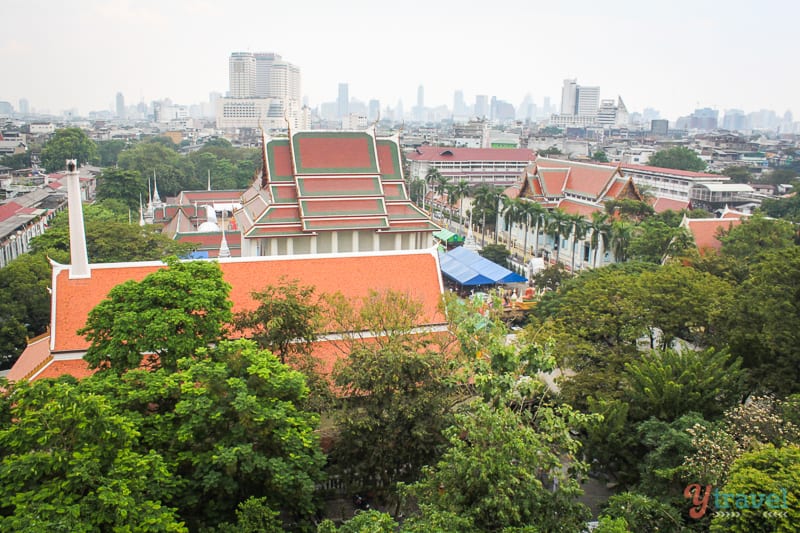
point(156, 197)
point(224, 251)
point(79, 257)
point(141, 211)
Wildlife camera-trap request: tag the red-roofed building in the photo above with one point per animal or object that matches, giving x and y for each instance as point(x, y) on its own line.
point(493, 166)
point(576, 188)
point(705, 231)
point(412, 272)
point(328, 209)
point(325, 192)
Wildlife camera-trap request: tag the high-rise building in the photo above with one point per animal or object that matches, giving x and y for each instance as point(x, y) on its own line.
point(481, 106)
point(569, 97)
point(343, 101)
point(587, 101)
point(421, 96)
point(264, 90)
point(242, 75)
point(24, 106)
point(276, 78)
point(120, 106)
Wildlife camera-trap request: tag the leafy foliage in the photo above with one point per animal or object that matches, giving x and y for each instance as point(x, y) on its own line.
point(68, 143)
point(500, 471)
point(679, 157)
point(228, 424)
point(71, 463)
point(766, 471)
point(496, 253)
point(396, 392)
point(166, 316)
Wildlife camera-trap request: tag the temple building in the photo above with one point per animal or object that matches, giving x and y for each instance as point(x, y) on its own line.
point(573, 187)
point(323, 192)
point(327, 210)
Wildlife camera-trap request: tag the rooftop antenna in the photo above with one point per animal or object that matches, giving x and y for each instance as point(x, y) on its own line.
point(209, 179)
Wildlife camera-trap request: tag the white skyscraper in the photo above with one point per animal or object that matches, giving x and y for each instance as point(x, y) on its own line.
point(588, 101)
point(242, 75)
point(569, 95)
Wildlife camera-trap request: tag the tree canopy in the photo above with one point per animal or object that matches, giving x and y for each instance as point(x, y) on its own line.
point(679, 158)
point(159, 320)
point(68, 143)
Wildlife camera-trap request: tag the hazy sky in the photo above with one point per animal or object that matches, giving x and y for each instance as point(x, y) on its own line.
point(672, 55)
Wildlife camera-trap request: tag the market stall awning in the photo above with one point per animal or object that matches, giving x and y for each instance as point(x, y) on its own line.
point(466, 267)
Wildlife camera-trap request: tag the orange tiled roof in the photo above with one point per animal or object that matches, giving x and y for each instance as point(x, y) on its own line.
point(33, 358)
point(705, 231)
point(666, 204)
point(414, 273)
point(577, 208)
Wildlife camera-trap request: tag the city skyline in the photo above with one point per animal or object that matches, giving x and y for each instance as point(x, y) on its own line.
point(82, 54)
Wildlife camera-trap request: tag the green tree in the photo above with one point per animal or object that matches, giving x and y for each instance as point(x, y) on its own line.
point(396, 390)
point(71, 463)
point(166, 316)
point(600, 156)
point(679, 158)
point(780, 176)
point(228, 421)
point(503, 469)
point(367, 522)
point(787, 208)
point(738, 174)
point(620, 239)
point(600, 230)
point(768, 470)
point(286, 320)
point(496, 253)
point(127, 186)
point(24, 303)
point(667, 384)
point(484, 207)
point(173, 172)
point(108, 151)
point(641, 513)
point(109, 237)
point(764, 326)
point(556, 226)
point(68, 143)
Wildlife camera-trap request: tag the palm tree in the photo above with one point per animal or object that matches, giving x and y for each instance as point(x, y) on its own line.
point(452, 198)
point(431, 176)
point(600, 229)
point(578, 230)
point(528, 212)
point(621, 234)
point(485, 200)
point(557, 222)
point(538, 215)
point(511, 210)
point(461, 191)
point(440, 186)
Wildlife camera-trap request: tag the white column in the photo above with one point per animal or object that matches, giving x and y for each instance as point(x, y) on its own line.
point(376, 242)
point(273, 247)
point(355, 240)
point(79, 257)
point(335, 242)
point(290, 246)
point(314, 244)
point(398, 241)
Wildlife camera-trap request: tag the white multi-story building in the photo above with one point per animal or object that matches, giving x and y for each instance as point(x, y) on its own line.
point(264, 92)
point(242, 75)
point(493, 166)
point(569, 94)
point(587, 101)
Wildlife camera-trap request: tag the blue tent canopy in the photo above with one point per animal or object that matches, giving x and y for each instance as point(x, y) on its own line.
point(466, 267)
